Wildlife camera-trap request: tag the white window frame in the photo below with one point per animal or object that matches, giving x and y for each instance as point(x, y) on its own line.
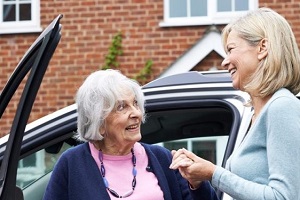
point(32, 26)
point(213, 17)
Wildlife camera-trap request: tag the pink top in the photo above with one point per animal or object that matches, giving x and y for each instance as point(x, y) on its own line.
point(118, 172)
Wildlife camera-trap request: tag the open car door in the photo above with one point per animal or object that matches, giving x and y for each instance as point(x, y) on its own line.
point(34, 62)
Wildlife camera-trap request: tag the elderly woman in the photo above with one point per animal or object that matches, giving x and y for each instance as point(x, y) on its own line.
point(263, 60)
point(112, 163)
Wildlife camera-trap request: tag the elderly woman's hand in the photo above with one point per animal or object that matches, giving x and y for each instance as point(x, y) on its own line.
point(192, 167)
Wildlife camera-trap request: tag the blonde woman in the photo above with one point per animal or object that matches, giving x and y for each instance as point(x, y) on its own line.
point(263, 60)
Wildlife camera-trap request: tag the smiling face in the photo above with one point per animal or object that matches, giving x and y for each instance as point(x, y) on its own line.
point(122, 125)
point(241, 61)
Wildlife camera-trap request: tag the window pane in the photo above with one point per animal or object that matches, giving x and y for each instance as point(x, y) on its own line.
point(198, 8)
point(175, 145)
point(178, 8)
point(28, 162)
point(241, 5)
point(36, 165)
point(9, 13)
point(25, 12)
point(224, 6)
point(205, 149)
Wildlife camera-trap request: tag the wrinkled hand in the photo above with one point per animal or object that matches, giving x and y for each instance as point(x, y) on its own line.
point(192, 167)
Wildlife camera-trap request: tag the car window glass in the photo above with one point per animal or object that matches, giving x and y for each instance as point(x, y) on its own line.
point(36, 165)
point(210, 148)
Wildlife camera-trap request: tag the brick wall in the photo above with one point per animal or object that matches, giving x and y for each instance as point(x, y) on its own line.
point(88, 29)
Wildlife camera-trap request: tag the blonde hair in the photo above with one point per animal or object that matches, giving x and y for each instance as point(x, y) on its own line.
point(281, 67)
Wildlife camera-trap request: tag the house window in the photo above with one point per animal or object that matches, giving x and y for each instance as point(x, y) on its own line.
point(19, 16)
point(204, 12)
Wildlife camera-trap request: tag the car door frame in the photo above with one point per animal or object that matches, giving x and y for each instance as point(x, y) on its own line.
point(192, 102)
point(35, 62)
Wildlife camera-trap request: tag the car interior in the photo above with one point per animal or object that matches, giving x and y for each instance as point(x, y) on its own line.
point(168, 125)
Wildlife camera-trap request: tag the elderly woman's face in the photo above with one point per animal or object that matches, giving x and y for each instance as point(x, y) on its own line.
point(241, 60)
point(122, 126)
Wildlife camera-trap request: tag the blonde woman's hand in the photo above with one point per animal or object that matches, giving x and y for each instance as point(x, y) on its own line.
point(192, 167)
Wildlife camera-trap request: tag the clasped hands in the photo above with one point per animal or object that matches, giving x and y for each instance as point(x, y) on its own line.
point(193, 168)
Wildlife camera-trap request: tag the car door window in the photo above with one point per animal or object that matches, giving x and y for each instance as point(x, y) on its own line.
point(37, 165)
point(206, 127)
point(209, 148)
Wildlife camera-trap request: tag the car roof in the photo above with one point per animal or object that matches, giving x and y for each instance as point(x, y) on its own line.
point(192, 77)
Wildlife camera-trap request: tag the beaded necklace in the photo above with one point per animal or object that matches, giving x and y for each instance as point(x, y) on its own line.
point(134, 172)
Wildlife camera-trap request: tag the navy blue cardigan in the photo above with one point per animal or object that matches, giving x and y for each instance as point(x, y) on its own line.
point(76, 177)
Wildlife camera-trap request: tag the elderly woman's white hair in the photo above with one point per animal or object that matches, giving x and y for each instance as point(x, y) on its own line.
point(97, 97)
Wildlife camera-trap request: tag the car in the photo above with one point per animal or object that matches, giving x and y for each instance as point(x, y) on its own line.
point(200, 111)
point(196, 110)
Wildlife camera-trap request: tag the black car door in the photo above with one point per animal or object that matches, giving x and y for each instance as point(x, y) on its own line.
point(34, 63)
